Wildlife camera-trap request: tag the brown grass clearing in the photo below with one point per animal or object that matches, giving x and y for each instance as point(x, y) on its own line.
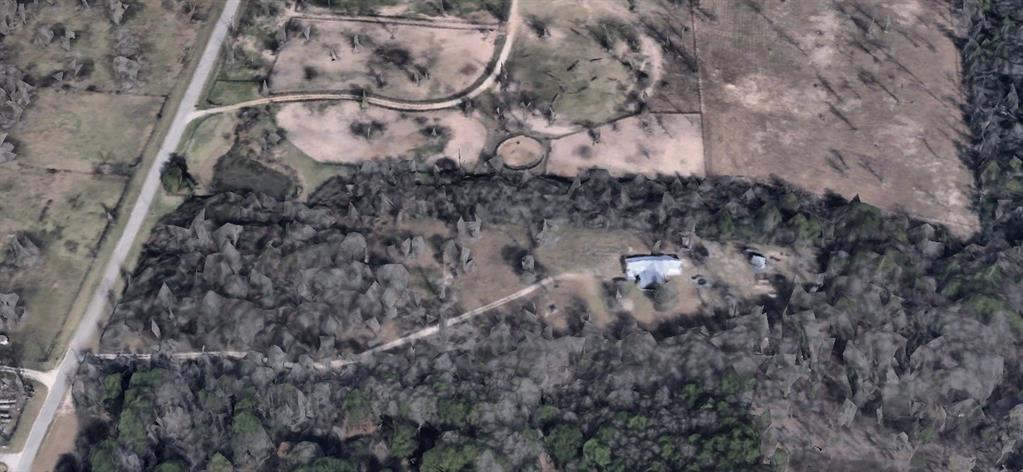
point(84, 131)
point(493, 277)
point(668, 144)
point(327, 133)
point(855, 97)
point(588, 251)
point(395, 61)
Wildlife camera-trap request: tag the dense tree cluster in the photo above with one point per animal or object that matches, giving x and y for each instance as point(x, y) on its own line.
point(491, 397)
point(249, 273)
point(993, 78)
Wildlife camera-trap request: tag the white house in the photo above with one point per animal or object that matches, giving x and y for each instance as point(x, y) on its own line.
point(650, 271)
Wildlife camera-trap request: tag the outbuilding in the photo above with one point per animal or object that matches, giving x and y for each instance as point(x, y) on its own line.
point(650, 271)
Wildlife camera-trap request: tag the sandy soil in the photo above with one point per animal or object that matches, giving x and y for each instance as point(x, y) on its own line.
point(521, 152)
point(650, 144)
point(857, 97)
point(324, 132)
point(448, 61)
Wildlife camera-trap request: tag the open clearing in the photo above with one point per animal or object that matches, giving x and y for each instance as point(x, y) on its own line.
point(155, 32)
point(346, 133)
point(846, 97)
point(80, 141)
point(476, 11)
point(394, 61)
point(66, 214)
point(85, 132)
point(858, 97)
point(596, 61)
point(648, 144)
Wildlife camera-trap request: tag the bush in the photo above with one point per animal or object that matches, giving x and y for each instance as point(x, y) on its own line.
point(596, 453)
point(453, 413)
point(329, 464)
point(404, 440)
point(449, 458)
point(563, 443)
point(219, 463)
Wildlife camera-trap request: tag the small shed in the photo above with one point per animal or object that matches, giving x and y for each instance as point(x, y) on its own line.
point(651, 271)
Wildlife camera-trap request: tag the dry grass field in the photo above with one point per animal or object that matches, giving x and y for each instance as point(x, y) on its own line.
point(157, 32)
point(346, 133)
point(391, 60)
point(670, 144)
point(80, 142)
point(849, 97)
point(477, 11)
point(84, 131)
point(857, 97)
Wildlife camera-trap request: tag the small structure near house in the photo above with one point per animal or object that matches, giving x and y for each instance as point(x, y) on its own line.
point(757, 261)
point(650, 271)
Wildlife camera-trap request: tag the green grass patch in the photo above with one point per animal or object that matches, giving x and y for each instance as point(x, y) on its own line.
point(66, 215)
point(229, 92)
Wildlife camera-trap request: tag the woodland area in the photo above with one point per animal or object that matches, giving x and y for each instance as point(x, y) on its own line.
point(900, 354)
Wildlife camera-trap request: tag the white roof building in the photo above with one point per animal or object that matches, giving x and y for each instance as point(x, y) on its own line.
point(650, 271)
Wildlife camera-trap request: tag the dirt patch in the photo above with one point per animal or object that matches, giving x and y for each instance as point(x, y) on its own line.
point(396, 61)
point(495, 276)
point(669, 144)
point(856, 97)
point(521, 152)
point(59, 440)
point(346, 133)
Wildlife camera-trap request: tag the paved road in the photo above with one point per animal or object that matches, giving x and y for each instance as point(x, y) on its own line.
point(513, 25)
point(88, 327)
point(58, 380)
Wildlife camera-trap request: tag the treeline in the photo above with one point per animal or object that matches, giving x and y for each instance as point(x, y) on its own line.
point(252, 273)
point(492, 397)
point(993, 78)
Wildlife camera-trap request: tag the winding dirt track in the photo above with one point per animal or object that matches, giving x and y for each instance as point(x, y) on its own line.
point(365, 355)
point(511, 31)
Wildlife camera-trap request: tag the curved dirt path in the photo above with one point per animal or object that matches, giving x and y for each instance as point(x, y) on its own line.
point(394, 104)
point(446, 23)
point(364, 355)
